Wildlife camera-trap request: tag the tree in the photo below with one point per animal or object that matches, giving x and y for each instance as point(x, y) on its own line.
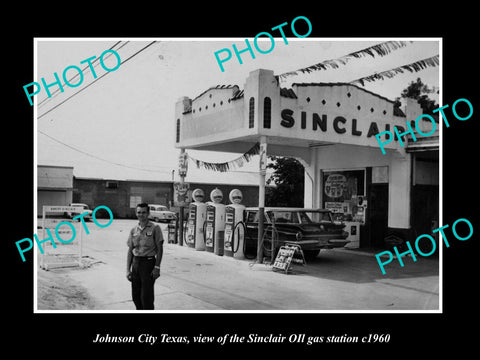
point(419, 91)
point(288, 177)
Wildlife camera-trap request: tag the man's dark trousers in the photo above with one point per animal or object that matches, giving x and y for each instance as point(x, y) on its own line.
point(142, 282)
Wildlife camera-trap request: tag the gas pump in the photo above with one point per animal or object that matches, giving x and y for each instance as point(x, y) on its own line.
point(234, 231)
point(215, 223)
point(196, 219)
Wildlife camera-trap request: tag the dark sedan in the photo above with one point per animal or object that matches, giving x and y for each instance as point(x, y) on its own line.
point(312, 229)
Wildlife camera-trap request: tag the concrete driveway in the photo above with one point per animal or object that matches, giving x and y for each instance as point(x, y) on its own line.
point(192, 280)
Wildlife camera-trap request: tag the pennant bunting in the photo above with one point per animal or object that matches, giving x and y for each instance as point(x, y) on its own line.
point(413, 67)
point(230, 165)
point(381, 49)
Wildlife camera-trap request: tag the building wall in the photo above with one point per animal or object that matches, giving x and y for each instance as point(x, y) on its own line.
point(212, 116)
point(123, 196)
point(54, 186)
point(353, 115)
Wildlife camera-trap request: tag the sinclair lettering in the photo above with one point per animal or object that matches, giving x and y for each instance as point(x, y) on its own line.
point(339, 124)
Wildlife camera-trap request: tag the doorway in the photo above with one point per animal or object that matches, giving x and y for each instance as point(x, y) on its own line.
point(378, 214)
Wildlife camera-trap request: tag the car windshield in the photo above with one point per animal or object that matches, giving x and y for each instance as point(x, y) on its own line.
point(292, 217)
point(321, 216)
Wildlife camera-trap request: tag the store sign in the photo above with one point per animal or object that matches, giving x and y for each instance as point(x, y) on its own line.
point(335, 185)
point(180, 196)
point(183, 164)
point(339, 124)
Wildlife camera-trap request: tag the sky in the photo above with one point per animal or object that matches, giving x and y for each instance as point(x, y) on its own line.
point(122, 126)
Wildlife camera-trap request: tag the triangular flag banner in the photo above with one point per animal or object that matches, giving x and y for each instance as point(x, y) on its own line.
point(413, 67)
point(226, 166)
point(381, 49)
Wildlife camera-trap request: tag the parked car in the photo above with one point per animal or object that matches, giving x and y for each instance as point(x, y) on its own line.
point(85, 208)
point(160, 213)
point(312, 229)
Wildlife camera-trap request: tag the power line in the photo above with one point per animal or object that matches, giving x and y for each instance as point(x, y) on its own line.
point(119, 164)
point(97, 79)
point(97, 157)
point(78, 74)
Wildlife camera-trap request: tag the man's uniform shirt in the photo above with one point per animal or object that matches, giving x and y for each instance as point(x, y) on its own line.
point(145, 241)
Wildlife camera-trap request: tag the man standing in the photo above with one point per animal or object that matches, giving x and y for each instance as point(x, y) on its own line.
point(145, 250)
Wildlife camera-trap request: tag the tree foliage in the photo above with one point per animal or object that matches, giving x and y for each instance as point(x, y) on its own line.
point(419, 91)
point(288, 178)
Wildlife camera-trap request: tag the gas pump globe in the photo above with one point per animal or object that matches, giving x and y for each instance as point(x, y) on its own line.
point(196, 220)
point(215, 223)
point(234, 233)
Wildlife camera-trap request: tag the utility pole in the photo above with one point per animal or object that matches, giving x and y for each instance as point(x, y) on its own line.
point(182, 181)
point(261, 196)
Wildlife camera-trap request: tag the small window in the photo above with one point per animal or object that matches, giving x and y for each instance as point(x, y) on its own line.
point(111, 185)
point(251, 113)
point(267, 113)
point(178, 131)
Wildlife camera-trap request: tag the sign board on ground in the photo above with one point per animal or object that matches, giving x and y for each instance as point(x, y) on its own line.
point(288, 255)
point(63, 254)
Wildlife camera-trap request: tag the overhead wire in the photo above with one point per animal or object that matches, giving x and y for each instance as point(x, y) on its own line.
point(98, 157)
point(54, 94)
point(93, 82)
point(116, 163)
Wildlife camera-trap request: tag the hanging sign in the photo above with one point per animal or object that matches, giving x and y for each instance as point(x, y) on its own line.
point(180, 193)
point(183, 164)
point(181, 188)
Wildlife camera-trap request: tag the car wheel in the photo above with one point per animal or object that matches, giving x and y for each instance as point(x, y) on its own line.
point(310, 254)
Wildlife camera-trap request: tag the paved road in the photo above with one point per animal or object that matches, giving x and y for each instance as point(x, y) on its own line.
point(194, 280)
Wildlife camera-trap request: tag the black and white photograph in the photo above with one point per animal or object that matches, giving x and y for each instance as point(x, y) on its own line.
point(206, 150)
point(240, 182)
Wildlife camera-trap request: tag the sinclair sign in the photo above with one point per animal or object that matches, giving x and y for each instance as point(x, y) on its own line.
point(314, 122)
